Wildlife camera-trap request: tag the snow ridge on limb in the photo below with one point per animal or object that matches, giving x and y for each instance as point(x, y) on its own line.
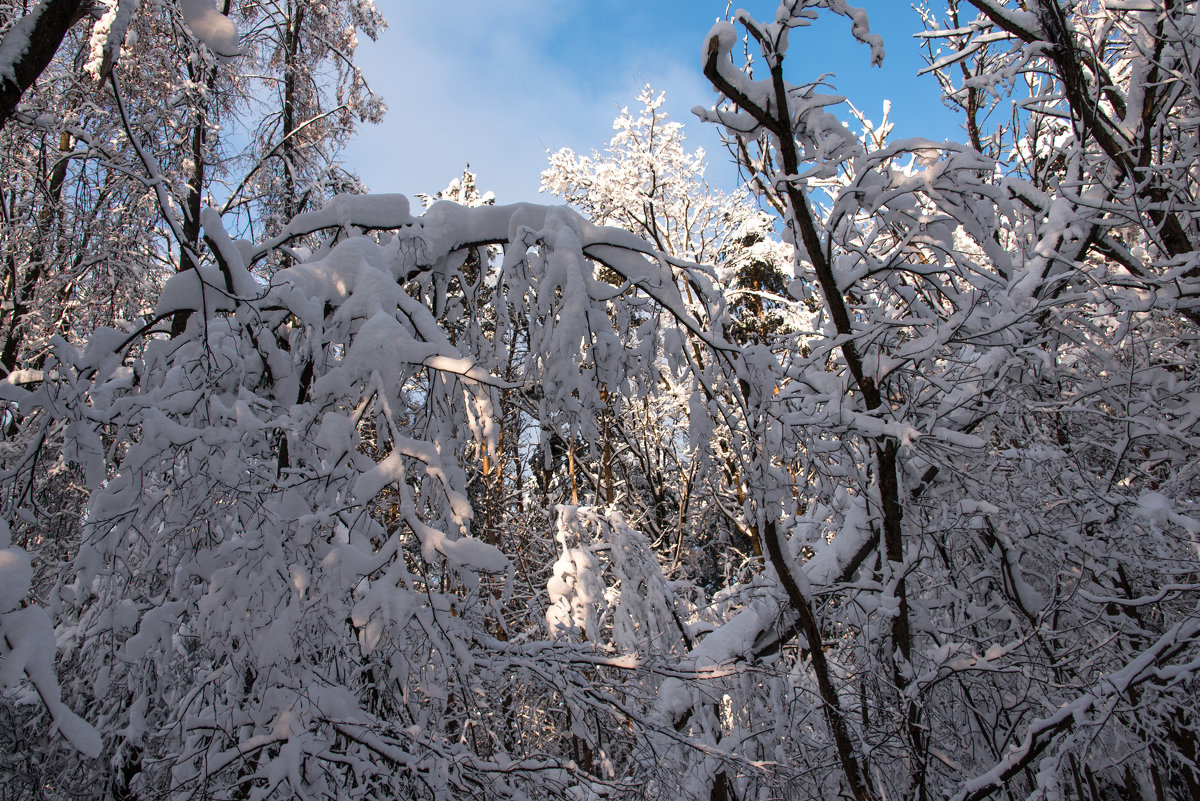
point(108, 35)
point(27, 647)
point(1153, 664)
point(763, 626)
point(798, 13)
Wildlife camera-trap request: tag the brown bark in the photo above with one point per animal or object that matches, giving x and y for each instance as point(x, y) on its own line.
point(835, 717)
point(777, 120)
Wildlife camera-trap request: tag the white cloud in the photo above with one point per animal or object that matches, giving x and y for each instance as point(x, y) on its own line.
point(476, 82)
point(497, 84)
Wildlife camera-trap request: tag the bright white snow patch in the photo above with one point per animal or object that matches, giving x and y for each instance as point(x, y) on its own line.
point(211, 26)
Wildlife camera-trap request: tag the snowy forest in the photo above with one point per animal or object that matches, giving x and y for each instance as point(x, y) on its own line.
point(876, 478)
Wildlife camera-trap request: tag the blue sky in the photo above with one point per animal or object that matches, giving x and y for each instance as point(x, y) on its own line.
point(497, 84)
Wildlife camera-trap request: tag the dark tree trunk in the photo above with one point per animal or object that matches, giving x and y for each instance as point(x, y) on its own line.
point(54, 18)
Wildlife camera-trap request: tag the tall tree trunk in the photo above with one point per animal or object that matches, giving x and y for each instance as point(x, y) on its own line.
point(291, 205)
point(189, 248)
point(22, 294)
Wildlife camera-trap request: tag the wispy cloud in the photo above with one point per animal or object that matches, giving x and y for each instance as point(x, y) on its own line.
point(498, 84)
